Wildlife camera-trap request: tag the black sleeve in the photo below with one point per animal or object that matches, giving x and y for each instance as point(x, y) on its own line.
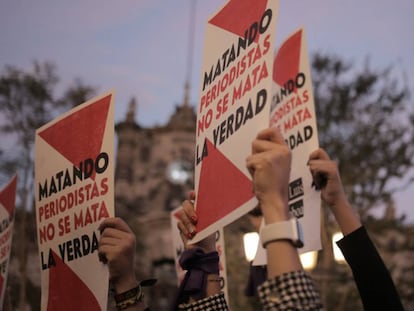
point(373, 280)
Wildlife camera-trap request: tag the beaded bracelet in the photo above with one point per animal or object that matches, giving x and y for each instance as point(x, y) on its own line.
point(129, 298)
point(132, 296)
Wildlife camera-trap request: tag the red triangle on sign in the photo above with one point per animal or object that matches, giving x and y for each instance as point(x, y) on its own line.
point(67, 292)
point(79, 136)
point(8, 195)
point(222, 188)
point(238, 15)
point(287, 60)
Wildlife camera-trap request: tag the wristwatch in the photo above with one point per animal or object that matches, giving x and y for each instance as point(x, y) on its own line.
point(284, 230)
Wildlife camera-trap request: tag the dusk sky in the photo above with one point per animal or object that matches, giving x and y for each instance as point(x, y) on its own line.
point(140, 48)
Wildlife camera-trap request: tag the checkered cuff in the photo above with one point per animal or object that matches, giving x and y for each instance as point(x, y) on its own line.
point(290, 291)
point(211, 303)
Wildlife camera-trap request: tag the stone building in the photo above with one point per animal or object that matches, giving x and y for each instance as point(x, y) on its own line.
point(154, 173)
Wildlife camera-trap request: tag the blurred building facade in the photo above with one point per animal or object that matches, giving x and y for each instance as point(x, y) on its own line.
point(153, 175)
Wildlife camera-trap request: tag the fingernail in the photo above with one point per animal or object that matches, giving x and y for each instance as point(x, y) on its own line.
point(194, 219)
point(191, 195)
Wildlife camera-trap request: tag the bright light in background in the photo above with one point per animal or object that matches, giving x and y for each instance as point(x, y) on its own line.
point(309, 260)
point(339, 257)
point(250, 242)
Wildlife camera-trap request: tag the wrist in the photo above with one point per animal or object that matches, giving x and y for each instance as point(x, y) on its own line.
point(340, 203)
point(274, 209)
point(129, 298)
point(207, 245)
point(348, 220)
point(287, 230)
point(123, 284)
point(132, 296)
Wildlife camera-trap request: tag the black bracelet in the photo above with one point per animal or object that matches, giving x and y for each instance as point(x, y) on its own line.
point(129, 298)
point(132, 296)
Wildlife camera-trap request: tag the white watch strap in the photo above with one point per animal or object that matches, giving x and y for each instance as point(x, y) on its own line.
point(283, 230)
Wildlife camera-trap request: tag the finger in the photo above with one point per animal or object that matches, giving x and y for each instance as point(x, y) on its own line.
point(185, 222)
point(254, 161)
point(114, 222)
point(115, 233)
point(322, 171)
point(250, 165)
point(268, 139)
point(184, 238)
point(191, 195)
point(260, 145)
point(116, 237)
point(109, 241)
point(107, 254)
point(272, 134)
point(185, 231)
point(319, 154)
point(322, 166)
point(317, 167)
point(188, 208)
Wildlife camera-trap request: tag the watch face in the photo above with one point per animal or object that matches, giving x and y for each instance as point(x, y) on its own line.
point(179, 172)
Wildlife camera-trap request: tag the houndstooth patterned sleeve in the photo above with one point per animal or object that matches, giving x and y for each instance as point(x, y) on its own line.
point(211, 303)
point(290, 291)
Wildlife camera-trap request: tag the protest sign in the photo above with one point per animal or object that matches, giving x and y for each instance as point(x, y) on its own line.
point(7, 206)
point(179, 248)
point(74, 192)
point(234, 104)
point(293, 113)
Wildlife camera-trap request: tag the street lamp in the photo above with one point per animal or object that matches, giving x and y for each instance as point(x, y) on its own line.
point(309, 260)
point(250, 242)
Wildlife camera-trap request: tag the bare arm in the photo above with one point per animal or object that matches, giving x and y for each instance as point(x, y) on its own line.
point(269, 166)
point(117, 249)
point(333, 193)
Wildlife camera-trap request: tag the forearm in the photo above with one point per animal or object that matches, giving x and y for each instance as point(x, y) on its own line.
point(346, 217)
point(282, 257)
point(277, 263)
point(125, 283)
point(212, 287)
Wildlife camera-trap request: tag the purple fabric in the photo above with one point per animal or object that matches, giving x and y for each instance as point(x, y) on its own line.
point(198, 265)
